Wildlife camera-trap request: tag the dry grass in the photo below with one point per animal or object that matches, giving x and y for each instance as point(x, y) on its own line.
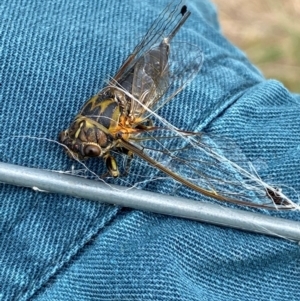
point(269, 32)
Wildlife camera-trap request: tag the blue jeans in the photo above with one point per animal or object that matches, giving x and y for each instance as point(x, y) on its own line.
point(55, 55)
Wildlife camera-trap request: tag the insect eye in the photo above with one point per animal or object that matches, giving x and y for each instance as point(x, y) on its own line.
point(92, 151)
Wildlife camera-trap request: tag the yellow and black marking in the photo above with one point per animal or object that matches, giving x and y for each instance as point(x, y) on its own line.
point(112, 116)
point(104, 111)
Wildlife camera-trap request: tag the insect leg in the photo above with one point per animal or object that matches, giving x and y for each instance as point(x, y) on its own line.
point(129, 157)
point(145, 125)
point(111, 165)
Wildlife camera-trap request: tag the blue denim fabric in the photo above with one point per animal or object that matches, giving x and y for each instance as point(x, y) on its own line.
point(54, 56)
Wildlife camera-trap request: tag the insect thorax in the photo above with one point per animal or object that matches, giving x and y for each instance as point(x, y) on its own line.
point(103, 110)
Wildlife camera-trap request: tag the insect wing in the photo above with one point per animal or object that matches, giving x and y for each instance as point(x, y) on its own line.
point(160, 29)
point(212, 166)
point(161, 73)
point(185, 62)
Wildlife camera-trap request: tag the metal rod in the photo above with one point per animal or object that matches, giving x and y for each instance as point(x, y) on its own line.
point(54, 182)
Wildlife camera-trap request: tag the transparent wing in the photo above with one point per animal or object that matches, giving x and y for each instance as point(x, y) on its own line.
point(158, 68)
point(162, 27)
point(161, 73)
point(214, 167)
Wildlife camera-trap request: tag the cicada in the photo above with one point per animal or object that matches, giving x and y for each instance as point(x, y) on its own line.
point(123, 118)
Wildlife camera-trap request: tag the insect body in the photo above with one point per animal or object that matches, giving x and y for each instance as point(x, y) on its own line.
point(112, 117)
point(120, 118)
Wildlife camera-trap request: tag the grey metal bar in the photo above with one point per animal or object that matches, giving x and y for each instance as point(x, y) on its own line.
point(149, 201)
